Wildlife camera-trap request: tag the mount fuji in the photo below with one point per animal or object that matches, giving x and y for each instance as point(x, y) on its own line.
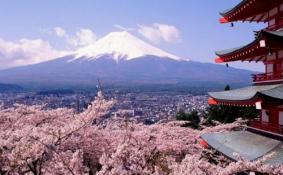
point(123, 59)
point(121, 46)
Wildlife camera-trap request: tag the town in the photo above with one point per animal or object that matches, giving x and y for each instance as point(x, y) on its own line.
point(146, 107)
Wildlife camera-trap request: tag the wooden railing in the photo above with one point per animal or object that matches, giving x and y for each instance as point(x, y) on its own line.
point(266, 126)
point(266, 77)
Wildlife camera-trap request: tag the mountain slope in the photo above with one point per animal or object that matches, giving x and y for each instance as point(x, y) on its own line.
point(9, 88)
point(143, 70)
point(121, 46)
point(122, 59)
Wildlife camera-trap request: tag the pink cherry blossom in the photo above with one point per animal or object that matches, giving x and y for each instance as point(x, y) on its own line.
point(38, 141)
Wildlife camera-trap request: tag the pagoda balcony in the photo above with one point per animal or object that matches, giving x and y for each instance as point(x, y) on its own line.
point(267, 77)
point(265, 126)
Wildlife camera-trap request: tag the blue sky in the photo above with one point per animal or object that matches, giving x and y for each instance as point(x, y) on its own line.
point(30, 24)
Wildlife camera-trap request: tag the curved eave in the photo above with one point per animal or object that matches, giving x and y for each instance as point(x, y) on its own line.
point(218, 99)
point(249, 10)
point(233, 102)
point(247, 95)
point(236, 103)
point(227, 12)
point(254, 51)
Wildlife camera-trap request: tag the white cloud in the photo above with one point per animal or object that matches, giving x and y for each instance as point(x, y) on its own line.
point(60, 32)
point(83, 37)
point(160, 32)
point(26, 51)
point(30, 51)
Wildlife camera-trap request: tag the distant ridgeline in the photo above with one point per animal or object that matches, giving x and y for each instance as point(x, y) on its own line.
point(122, 59)
point(10, 88)
point(194, 88)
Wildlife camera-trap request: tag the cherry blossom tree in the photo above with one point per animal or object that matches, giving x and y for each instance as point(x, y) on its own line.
point(31, 138)
point(37, 141)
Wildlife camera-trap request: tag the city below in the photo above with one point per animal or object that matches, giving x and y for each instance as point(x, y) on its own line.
point(146, 107)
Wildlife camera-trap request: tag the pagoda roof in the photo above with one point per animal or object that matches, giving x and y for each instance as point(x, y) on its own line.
point(254, 51)
point(248, 145)
point(250, 10)
point(249, 94)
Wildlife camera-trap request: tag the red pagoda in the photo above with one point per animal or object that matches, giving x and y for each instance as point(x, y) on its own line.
point(266, 93)
point(265, 134)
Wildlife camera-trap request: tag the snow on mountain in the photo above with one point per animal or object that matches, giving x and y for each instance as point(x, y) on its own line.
point(147, 65)
point(121, 46)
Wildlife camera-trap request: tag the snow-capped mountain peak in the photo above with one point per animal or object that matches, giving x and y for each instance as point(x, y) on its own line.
point(121, 45)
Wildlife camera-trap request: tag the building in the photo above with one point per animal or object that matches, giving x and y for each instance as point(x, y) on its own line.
point(266, 94)
point(265, 134)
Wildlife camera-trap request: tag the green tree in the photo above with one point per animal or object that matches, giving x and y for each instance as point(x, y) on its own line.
point(228, 114)
point(193, 117)
point(227, 88)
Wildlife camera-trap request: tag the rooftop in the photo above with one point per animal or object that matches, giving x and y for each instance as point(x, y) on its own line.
point(265, 42)
point(248, 145)
point(249, 93)
point(250, 10)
